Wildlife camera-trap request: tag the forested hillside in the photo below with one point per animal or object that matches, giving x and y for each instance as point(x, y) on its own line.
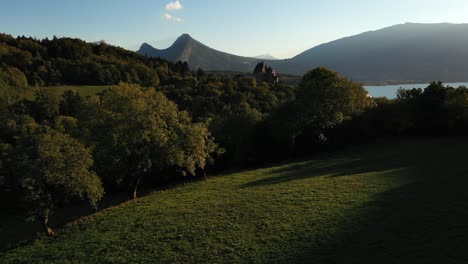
point(26, 61)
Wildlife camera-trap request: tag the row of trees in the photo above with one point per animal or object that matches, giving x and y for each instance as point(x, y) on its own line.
point(437, 111)
point(56, 149)
point(263, 123)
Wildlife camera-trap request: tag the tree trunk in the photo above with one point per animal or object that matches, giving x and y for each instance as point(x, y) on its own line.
point(204, 174)
point(45, 224)
point(292, 149)
point(135, 188)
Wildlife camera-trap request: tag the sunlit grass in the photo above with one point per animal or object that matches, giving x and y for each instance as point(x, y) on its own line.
point(387, 203)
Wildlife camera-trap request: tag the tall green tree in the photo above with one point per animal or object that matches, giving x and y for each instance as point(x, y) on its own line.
point(144, 134)
point(233, 128)
point(324, 100)
point(54, 168)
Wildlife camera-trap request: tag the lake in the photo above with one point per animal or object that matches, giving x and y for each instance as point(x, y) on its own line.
point(389, 91)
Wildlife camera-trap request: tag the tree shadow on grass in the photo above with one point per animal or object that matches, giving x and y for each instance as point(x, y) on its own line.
point(331, 167)
point(422, 221)
point(365, 159)
point(415, 223)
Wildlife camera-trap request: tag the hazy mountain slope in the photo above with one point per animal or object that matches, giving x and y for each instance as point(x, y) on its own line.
point(402, 53)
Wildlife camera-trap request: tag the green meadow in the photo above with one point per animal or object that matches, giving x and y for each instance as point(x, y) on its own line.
point(398, 202)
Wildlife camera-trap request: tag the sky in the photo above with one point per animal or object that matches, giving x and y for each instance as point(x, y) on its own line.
point(241, 27)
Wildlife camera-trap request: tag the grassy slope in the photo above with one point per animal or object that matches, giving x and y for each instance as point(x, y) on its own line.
point(390, 203)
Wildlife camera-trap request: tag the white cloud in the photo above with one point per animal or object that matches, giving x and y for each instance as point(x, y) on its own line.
point(169, 17)
point(174, 6)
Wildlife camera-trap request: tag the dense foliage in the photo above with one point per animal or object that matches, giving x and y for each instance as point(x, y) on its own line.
point(139, 133)
point(52, 167)
point(72, 61)
point(437, 111)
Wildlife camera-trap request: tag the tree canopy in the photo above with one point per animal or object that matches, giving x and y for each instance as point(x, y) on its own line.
point(52, 168)
point(145, 134)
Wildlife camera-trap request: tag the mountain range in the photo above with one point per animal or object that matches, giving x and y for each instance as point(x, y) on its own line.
point(404, 53)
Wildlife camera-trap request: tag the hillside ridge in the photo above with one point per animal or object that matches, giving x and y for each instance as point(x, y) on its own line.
point(403, 53)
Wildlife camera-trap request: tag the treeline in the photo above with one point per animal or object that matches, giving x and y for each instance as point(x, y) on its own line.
point(436, 111)
point(264, 123)
point(56, 149)
point(160, 121)
point(27, 61)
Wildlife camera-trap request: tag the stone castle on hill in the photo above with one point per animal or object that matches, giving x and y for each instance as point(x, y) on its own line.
point(263, 73)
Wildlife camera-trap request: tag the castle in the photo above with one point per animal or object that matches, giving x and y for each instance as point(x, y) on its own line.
point(263, 73)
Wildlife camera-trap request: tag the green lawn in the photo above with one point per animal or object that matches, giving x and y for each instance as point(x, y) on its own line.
point(400, 202)
point(83, 90)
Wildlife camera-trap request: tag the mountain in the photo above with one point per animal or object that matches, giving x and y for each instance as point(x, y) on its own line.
point(402, 53)
point(266, 56)
point(398, 54)
point(198, 55)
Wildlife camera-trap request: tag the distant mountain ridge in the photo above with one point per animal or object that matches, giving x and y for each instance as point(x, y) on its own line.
point(407, 53)
point(198, 55)
point(403, 53)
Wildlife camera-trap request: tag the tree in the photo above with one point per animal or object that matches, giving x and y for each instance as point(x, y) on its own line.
point(45, 106)
point(200, 73)
point(13, 78)
point(408, 95)
point(70, 103)
point(197, 147)
point(233, 128)
point(324, 100)
point(54, 168)
point(145, 134)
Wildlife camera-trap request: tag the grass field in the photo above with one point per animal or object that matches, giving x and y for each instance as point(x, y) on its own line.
point(400, 202)
point(83, 90)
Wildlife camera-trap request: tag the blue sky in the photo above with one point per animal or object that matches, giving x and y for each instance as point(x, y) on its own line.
point(243, 27)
